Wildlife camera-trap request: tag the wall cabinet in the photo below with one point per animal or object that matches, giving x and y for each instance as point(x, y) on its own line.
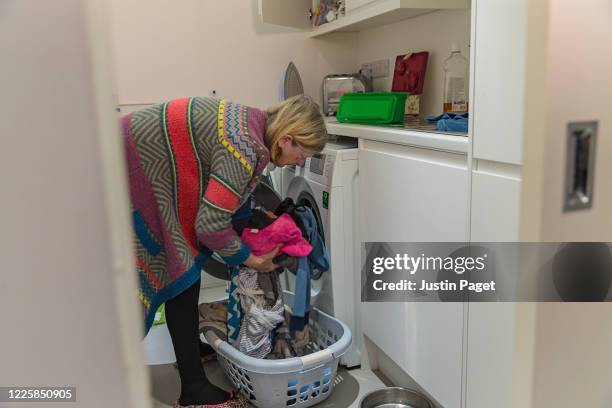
point(421, 195)
point(500, 43)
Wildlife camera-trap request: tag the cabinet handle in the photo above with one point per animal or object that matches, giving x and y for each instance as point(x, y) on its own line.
point(580, 165)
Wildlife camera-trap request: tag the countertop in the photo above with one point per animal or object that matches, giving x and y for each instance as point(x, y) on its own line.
point(412, 133)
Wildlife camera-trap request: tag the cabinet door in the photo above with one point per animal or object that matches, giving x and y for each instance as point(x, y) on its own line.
point(412, 194)
point(419, 195)
point(290, 13)
point(491, 346)
point(499, 82)
point(496, 190)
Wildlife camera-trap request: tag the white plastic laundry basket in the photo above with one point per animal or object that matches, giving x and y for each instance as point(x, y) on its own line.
point(292, 382)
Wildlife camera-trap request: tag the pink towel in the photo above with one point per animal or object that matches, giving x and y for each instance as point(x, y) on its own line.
point(282, 231)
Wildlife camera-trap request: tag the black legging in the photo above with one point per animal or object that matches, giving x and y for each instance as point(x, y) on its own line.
point(182, 319)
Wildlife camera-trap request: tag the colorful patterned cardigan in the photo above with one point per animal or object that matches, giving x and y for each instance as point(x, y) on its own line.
point(192, 163)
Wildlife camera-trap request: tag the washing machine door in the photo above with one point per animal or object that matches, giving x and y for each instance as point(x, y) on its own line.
point(303, 195)
point(307, 194)
point(287, 174)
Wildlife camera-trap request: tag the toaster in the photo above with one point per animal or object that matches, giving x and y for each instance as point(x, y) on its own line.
point(334, 86)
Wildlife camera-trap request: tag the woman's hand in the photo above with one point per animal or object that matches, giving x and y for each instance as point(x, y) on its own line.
point(270, 214)
point(263, 263)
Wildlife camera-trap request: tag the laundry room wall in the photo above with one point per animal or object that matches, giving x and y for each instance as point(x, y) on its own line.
point(434, 32)
point(572, 353)
point(68, 311)
point(165, 49)
point(589, 99)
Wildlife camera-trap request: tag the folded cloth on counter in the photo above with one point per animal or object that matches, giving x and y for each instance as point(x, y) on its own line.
point(318, 258)
point(450, 122)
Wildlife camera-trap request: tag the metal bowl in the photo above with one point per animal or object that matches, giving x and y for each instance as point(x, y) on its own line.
point(395, 397)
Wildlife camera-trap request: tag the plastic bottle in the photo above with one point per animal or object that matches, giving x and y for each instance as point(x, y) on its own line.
point(456, 71)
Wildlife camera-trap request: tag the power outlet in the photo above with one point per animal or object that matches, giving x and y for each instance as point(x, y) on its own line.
point(379, 68)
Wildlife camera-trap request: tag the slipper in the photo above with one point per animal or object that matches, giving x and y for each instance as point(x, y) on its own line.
point(233, 402)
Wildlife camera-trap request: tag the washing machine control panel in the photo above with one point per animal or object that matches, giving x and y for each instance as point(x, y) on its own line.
point(319, 167)
point(316, 164)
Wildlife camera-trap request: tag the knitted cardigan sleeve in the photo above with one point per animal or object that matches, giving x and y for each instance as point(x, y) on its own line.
point(226, 190)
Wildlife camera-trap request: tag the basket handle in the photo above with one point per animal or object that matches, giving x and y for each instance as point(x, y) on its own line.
point(314, 359)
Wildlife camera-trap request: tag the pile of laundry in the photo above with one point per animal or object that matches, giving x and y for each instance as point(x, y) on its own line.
point(254, 319)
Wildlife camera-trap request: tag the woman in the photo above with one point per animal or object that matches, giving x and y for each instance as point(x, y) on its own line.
point(192, 165)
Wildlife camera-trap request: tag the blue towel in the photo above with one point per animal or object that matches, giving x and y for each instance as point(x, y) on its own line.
point(450, 122)
point(318, 258)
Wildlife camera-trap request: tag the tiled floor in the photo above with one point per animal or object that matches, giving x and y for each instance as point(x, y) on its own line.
point(351, 385)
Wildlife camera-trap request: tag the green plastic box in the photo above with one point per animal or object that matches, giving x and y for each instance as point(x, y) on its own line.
point(372, 107)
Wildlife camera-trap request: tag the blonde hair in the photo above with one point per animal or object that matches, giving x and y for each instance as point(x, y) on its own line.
point(300, 117)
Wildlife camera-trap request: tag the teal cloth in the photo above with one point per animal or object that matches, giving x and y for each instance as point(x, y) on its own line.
point(318, 258)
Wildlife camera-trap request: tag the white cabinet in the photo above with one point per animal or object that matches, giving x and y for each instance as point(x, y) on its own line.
point(495, 215)
point(495, 212)
point(425, 340)
point(499, 83)
point(497, 141)
point(361, 14)
point(491, 349)
point(498, 126)
point(414, 194)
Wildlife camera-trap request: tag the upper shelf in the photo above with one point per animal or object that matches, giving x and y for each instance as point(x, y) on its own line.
point(382, 12)
point(294, 13)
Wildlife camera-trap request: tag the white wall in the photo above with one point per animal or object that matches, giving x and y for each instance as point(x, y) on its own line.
point(165, 49)
point(434, 32)
point(569, 73)
point(68, 310)
point(573, 356)
point(579, 89)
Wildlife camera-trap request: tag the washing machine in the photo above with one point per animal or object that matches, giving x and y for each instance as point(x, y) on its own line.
point(328, 185)
point(287, 174)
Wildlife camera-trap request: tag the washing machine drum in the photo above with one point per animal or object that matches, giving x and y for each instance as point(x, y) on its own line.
point(301, 193)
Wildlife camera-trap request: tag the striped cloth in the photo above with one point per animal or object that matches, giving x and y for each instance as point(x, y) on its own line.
point(258, 320)
point(192, 163)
